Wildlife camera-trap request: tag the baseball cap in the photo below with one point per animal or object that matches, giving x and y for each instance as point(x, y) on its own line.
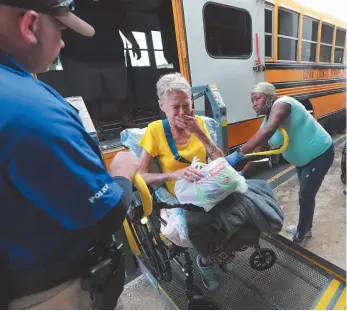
point(60, 9)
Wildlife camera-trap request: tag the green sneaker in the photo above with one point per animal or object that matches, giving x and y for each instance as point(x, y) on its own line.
point(207, 275)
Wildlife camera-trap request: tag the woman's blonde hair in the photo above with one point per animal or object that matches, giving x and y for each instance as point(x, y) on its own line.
point(264, 88)
point(172, 82)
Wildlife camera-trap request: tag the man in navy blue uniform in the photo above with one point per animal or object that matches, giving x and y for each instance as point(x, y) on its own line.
point(56, 196)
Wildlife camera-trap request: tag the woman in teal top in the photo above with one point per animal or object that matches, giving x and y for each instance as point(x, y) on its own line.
point(310, 148)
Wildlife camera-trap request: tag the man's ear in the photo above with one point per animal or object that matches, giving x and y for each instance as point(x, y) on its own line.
point(29, 25)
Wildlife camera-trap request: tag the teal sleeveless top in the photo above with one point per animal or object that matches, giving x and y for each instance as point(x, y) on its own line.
point(307, 138)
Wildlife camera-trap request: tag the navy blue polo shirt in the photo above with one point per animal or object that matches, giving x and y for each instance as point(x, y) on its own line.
point(52, 178)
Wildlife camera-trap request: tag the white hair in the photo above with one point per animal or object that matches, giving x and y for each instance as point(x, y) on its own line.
point(172, 82)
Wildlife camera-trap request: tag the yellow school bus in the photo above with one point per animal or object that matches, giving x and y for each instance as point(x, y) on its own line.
point(232, 44)
point(301, 49)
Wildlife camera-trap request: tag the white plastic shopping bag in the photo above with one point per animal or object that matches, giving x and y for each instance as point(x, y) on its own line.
point(176, 229)
point(219, 181)
point(130, 138)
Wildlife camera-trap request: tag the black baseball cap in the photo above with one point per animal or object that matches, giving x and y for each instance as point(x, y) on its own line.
point(60, 9)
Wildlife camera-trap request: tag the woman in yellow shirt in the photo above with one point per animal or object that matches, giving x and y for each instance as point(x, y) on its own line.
point(191, 138)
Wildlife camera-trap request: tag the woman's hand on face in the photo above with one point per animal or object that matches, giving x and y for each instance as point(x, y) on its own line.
point(189, 123)
point(189, 173)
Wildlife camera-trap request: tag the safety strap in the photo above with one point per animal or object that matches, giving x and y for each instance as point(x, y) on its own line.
point(171, 142)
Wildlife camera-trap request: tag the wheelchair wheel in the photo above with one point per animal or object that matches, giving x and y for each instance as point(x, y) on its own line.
point(144, 241)
point(343, 165)
point(162, 251)
point(262, 259)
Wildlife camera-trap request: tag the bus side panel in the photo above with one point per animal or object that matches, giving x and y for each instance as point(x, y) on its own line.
point(314, 89)
point(241, 132)
point(295, 74)
point(325, 105)
point(324, 86)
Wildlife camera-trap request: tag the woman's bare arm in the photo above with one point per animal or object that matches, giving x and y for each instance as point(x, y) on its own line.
point(152, 178)
point(248, 167)
point(190, 123)
point(189, 173)
point(212, 150)
point(278, 114)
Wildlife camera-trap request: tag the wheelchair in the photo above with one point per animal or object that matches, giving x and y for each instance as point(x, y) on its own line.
point(159, 254)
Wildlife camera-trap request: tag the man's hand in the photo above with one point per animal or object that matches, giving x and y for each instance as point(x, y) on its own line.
point(125, 164)
point(136, 51)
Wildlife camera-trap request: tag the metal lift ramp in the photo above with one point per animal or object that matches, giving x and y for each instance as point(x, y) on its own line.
point(299, 280)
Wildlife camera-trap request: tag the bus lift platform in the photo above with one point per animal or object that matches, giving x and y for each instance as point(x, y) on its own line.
point(299, 279)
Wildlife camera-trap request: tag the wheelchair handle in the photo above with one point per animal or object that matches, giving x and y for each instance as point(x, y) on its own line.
point(146, 197)
point(274, 151)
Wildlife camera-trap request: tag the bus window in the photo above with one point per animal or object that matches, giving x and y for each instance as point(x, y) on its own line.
point(268, 31)
point(141, 40)
point(326, 43)
point(160, 59)
point(309, 39)
point(340, 45)
point(288, 26)
point(228, 31)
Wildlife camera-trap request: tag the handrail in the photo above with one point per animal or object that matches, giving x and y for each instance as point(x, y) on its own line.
point(274, 151)
point(145, 195)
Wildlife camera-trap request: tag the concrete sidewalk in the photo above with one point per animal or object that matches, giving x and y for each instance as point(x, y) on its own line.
point(329, 224)
point(140, 295)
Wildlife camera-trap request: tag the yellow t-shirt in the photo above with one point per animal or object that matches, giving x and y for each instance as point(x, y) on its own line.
point(155, 143)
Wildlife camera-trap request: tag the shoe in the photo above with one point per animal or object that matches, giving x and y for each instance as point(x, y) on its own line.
point(292, 229)
point(207, 275)
point(299, 241)
point(227, 267)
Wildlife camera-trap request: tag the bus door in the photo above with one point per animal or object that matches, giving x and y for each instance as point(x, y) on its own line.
point(222, 49)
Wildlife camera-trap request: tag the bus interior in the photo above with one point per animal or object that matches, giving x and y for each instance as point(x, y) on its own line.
point(152, 24)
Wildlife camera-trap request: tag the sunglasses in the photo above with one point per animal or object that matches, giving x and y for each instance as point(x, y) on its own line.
point(58, 9)
point(63, 7)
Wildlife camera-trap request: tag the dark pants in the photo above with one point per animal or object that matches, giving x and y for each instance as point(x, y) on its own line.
point(311, 177)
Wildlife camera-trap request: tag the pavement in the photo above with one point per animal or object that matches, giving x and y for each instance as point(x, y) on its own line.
point(329, 224)
point(329, 229)
point(140, 295)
